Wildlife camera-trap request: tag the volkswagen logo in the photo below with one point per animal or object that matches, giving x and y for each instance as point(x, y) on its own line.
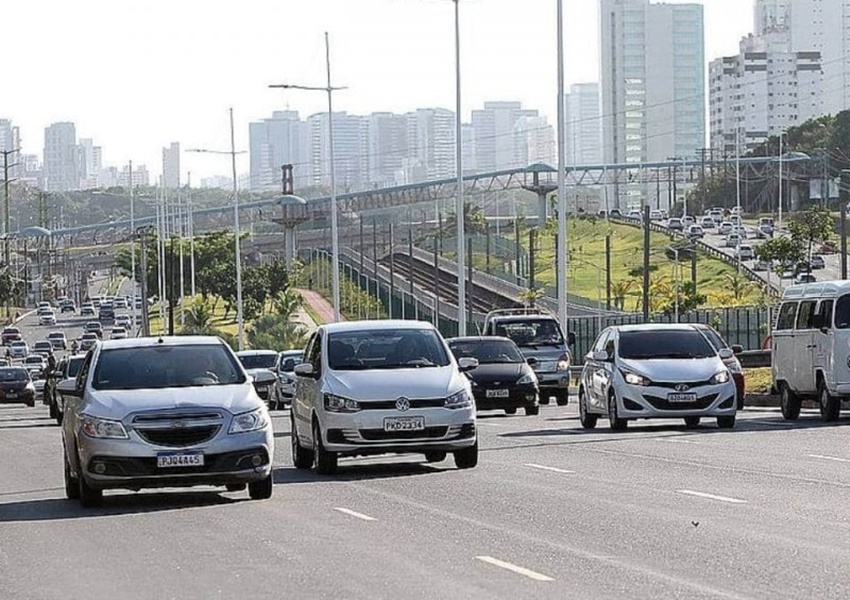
point(402, 404)
point(178, 424)
point(682, 387)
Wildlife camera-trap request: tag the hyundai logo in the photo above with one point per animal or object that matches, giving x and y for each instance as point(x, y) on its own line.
point(402, 404)
point(682, 387)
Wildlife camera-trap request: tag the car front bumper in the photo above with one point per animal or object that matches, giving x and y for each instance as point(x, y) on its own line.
point(520, 396)
point(557, 380)
point(637, 402)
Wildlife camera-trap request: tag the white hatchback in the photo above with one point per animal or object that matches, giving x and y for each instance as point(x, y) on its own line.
point(656, 371)
point(379, 387)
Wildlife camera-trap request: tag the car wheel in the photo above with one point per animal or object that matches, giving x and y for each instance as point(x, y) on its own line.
point(789, 402)
point(614, 421)
point(302, 457)
point(587, 420)
point(510, 411)
point(691, 422)
point(532, 411)
point(727, 422)
point(72, 487)
point(740, 400)
point(89, 496)
point(435, 456)
point(235, 487)
point(262, 489)
point(830, 406)
point(544, 399)
point(324, 461)
point(562, 397)
point(467, 458)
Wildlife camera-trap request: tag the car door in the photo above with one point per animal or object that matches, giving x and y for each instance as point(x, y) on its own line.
point(783, 344)
point(804, 372)
point(307, 388)
point(73, 406)
point(604, 374)
point(823, 337)
point(596, 374)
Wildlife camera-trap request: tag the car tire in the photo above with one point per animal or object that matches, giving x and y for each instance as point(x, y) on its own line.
point(467, 458)
point(302, 458)
point(739, 400)
point(562, 397)
point(324, 461)
point(89, 496)
point(587, 420)
point(31, 402)
point(510, 411)
point(532, 411)
point(262, 489)
point(692, 422)
point(72, 486)
point(727, 422)
point(614, 421)
point(235, 487)
point(789, 402)
point(435, 456)
point(544, 399)
point(830, 406)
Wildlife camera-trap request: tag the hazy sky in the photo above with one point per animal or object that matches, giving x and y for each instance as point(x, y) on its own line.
point(138, 75)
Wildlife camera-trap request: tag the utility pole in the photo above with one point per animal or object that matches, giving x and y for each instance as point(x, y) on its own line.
point(646, 263)
point(6, 220)
point(843, 197)
point(608, 270)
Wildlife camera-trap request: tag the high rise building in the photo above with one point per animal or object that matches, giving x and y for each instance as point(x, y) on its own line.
point(535, 141)
point(6, 129)
point(497, 146)
point(61, 170)
point(141, 177)
point(171, 166)
point(351, 150)
point(10, 139)
point(770, 15)
point(387, 149)
point(431, 144)
point(762, 91)
point(280, 140)
point(583, 123)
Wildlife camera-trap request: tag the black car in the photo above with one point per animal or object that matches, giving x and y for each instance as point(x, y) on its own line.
point(16, 386)
point(504, 379)
point(67, 368)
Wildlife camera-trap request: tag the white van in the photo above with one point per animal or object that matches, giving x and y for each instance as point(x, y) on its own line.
point(811, 347)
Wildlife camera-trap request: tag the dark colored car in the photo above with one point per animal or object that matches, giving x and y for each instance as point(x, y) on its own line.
point(43, 347)
point(16, 386)
point(67, 368)
point(106, 314)
point(733, 364)
point(10, 334)
point(504, 379)
point(261, 366)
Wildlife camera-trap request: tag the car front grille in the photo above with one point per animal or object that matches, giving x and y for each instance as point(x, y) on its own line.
point(179, 437)
point(414, 403)
point(663, 404)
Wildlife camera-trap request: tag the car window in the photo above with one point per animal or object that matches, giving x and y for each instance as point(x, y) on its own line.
point(14, 374)
point(73, 366)
point(661, 344)
point(842, 313)
point(805, 316)
point(314, 352)
point(714, 338)
point(531, 332)
point(788, 311)
point(166, 366)
point(824, 313)
point(599, 346)
point(487, 351)
point(258, 361)
point(83, 375)
point(386, 349)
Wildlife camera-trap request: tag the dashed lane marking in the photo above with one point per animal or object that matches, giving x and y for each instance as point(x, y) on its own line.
point(355, 514)
point(514, 568)
point(552, 469)
point(712, 497)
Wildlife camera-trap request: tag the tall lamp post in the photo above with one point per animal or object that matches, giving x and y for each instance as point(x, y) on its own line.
point(562, 183)
point(459, 211)
point(781, 134)
point(132, 249)
point(329, 90)
point(237, 249)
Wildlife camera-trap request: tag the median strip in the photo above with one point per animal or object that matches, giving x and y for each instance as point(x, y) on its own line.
point(552, 469)
point(514, 568)
point(712, 497)
point(355, 514)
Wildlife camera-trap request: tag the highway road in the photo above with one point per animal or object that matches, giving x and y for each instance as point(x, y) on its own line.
point(551, 511)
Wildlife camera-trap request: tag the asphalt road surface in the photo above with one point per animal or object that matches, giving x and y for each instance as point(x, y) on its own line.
point(551, 511)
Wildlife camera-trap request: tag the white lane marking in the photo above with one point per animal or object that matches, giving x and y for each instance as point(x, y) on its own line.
point(355, 514)
point(553, 469)
point(771, 423)
point(712, 497)
point(490, 424)
point(835, 458)
point(676, 441)
point(516, 569)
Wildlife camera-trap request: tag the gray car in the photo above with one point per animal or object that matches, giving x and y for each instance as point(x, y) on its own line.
point(164, 412)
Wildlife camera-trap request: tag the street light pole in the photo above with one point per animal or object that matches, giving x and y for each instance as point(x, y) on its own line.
point(459, 210)
point(781, 133)
point(191, 228)
point(737, 192)
point(562, 184)
point(239, 317)
point(132, 251)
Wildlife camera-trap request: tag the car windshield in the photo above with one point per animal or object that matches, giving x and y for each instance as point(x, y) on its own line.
point(56, 336)
point(386, 349)
point(19, 344)
point(258, 361)
point(287, 363)
point(714, 339)
point(89, 336)
point(531, 332)
point(487, 352)
point(39, 345)
point(18, 374)
point(166, 366)
point(661, 343)
point(74, 366)
point(33, 360)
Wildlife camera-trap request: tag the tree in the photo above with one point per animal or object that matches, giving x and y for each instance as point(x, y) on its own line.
point(738, 286)
point(276, 332)
point(783, 251)
point(619, 291)
point(474, 220)
point(530, 296)
point(814, 225)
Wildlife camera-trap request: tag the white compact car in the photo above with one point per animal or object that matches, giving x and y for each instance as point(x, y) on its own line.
point(378, 387)
point(656, 371)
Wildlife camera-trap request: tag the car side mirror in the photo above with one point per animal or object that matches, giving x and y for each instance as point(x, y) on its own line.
point(737, 348)
point(725, 353)
point(467, 364)
point(532, 361)
point(305, 370)
point(599, 356)
point(69, 388)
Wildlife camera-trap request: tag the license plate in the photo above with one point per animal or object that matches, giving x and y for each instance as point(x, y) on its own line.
point(498, 393)
point(11, 394)
point(404, 423)
point(165, 460)
point(681, 398)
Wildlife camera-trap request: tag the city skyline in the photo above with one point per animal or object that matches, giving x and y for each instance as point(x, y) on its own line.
point(394, 56)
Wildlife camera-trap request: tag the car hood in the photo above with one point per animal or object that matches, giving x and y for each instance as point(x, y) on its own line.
point(388, 384)
point(504, 372)
point(117, 404)
point(12, 385)
point(675, 369)
point(544, 352)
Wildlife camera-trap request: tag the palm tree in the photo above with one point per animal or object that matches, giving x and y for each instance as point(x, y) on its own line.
point(738, 285)
point(619, 290)
point(276, 332)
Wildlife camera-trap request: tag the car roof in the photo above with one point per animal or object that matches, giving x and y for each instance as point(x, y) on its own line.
point(286, 353)
point(479, 338)
point(643, 327)
point(150, 342)
point(256, 352)
point(352, 326)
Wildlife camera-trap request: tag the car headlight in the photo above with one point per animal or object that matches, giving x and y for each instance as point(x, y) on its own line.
point(563, 363)
point(635, 379)
point(338, 404)
point(459, 399)
point(249, 421)
point(720, 377)
point(526, 379)
point(103, 428)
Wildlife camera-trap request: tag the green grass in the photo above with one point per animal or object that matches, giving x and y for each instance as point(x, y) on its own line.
point(219, 321)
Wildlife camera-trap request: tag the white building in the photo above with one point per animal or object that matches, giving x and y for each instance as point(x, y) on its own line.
point(535, 141)
point(61, 171)
point(583, 123)
point(762, 91)
point(431, 144)
point(388, 149)
point(280, 140)
point(141, 177)
point(171, 166)
point(351, 150)
point(497, 145)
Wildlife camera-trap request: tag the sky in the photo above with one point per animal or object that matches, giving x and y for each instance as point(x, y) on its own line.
point(136, 76)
